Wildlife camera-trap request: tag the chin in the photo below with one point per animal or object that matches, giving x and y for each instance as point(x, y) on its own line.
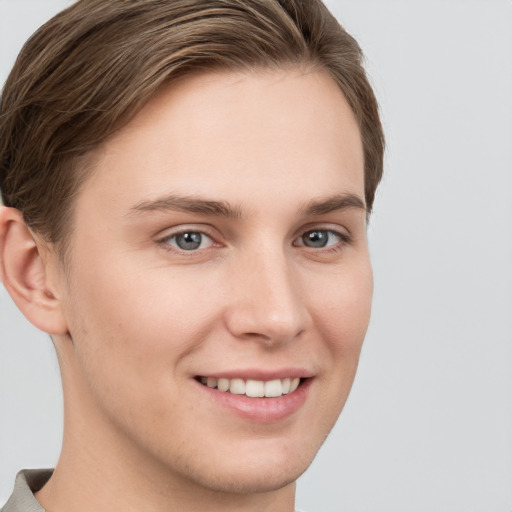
point(265, 470)
point(249, 480)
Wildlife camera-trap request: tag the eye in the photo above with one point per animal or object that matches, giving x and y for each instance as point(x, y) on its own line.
point(319, 239)
point(189, 240)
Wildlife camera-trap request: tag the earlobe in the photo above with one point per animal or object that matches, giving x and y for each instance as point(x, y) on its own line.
point(24, 273)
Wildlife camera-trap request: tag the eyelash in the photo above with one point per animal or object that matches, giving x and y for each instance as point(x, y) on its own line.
point(165, 242)
point(344, 239)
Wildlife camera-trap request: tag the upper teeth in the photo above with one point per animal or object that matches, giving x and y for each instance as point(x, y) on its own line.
point(253, 388)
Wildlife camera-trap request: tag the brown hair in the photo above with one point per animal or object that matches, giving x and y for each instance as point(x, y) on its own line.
point(91, 68)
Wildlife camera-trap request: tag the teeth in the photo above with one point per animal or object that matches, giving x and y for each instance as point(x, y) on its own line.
point(223, 385)
point(253, 388)
point(237, 386)
point(294, 385)
point(273, 388)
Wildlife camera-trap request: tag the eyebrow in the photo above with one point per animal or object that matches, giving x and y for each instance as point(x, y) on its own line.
point(208, 207)
point(332, 204)
point(188, 204)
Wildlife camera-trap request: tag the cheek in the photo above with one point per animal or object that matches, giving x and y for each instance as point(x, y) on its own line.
point(140, 317)
point(344, 305)
point(341, 316)
point(131, 335)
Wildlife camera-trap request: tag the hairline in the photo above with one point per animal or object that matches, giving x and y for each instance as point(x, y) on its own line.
point(85, 166)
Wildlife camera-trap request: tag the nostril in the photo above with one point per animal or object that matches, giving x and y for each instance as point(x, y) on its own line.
point(270, 315)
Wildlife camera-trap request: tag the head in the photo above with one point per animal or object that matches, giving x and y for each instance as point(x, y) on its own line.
point(187, 187)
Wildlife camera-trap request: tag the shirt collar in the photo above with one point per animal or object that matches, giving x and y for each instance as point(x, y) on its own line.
point(27, 483)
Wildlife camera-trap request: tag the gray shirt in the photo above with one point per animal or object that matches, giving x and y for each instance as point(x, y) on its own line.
point(27, 483)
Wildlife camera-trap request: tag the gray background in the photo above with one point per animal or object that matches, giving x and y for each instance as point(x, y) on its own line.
point(428, 427)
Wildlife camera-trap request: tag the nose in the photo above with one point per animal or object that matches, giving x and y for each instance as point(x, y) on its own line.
point(267, 302)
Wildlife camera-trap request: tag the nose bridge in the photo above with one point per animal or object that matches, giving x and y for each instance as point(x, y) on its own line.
point(268, 303)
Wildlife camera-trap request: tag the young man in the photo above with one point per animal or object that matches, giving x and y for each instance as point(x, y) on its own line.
point(186, 189)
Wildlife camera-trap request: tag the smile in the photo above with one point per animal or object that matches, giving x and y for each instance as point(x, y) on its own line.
point(253, 388)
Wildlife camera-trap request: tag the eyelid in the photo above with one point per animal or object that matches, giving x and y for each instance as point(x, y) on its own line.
point(204, 239)
point(341, 231)
point(186, 228)
point(206, 230)
point(167, 234)
point(344, 239)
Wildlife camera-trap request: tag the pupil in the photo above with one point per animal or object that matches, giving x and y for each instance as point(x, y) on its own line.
point(316, 239)
point(188, 241)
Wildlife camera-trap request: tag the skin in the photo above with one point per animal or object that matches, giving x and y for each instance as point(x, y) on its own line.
point(135, 319)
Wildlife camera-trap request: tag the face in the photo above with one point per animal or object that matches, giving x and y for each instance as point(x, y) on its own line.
point(218, 286)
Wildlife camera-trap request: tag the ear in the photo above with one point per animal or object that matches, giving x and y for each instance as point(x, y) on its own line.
point(24, 271)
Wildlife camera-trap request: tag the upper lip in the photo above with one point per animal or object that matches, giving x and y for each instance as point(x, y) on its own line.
point(261, 374)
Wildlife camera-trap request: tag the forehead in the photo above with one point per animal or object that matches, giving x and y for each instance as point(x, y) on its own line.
point(231, 134)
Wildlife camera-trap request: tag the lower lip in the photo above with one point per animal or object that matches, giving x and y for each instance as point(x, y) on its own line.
point(261, 410)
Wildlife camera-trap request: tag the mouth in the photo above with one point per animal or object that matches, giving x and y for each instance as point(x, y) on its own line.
point(253, 388)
